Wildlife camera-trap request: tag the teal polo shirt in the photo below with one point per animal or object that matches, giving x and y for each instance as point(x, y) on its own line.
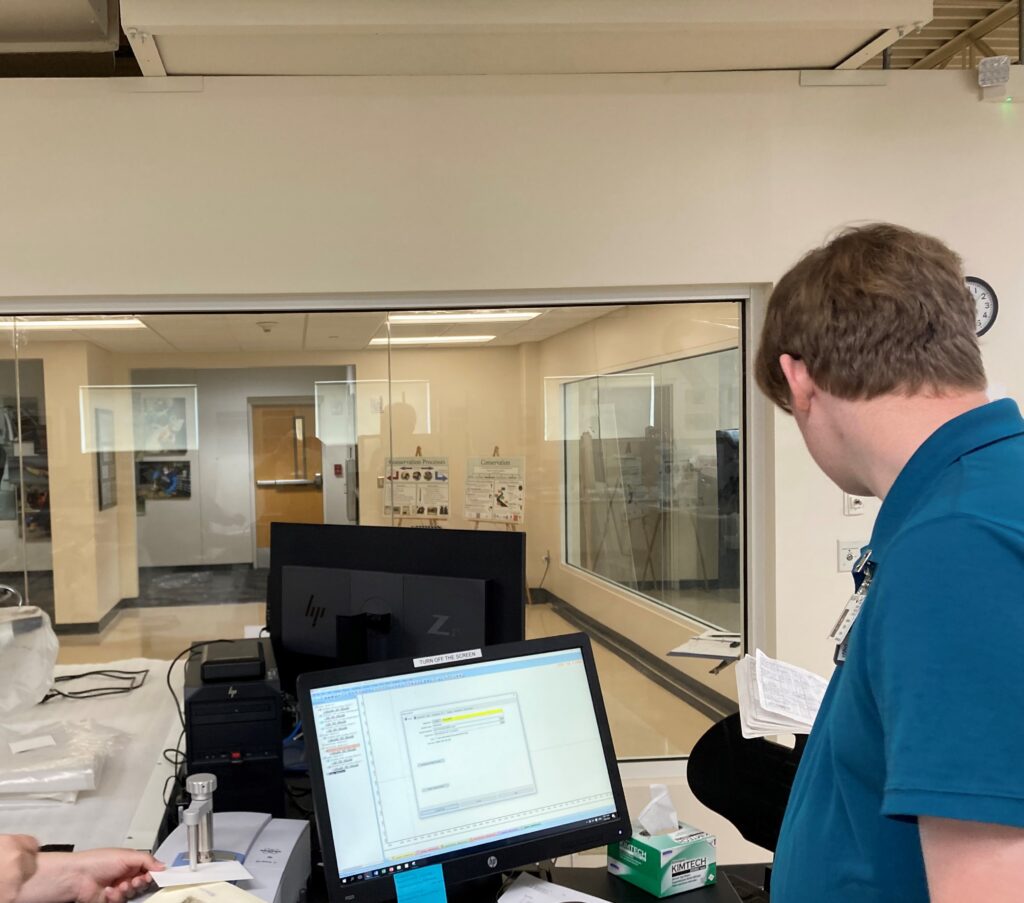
point(926, 716)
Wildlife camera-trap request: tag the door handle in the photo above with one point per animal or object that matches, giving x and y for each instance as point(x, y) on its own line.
point(317, 481)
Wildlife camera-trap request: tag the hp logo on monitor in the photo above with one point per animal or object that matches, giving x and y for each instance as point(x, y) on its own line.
point(492, 862)
point(316, 612)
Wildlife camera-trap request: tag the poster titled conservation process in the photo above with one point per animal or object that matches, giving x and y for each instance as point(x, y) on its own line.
point(495, 490)
point(416, 487)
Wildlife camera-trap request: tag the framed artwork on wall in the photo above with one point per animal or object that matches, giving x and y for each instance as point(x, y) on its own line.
point(161, 480)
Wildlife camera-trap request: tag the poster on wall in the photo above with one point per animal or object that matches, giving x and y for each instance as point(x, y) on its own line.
point(495, 490)
point(159, 480)
point(106, 473)
point(416, 487)
point(161, 425)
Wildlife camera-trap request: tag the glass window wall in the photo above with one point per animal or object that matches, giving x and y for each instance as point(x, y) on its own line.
point(145, 458)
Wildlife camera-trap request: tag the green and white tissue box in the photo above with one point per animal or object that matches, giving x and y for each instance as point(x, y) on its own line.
point(665, 864)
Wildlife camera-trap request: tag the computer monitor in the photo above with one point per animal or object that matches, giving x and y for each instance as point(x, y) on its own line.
point(479, 762)
point(352, 617)
point(497, 559)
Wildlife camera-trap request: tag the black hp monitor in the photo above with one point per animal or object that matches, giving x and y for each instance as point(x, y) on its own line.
point(346, 595)
point(466, 764)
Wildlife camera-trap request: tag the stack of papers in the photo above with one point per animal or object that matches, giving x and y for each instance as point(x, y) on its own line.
point(531, 889)
point(776, 698)
point(714, 644)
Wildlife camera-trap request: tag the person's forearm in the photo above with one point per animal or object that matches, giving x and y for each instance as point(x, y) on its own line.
point(52, 882)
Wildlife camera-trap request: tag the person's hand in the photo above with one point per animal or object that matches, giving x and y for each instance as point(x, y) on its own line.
point(18, 855)
point(92, 876)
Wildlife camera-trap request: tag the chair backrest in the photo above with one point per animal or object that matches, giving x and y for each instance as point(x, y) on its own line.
point(746, 781)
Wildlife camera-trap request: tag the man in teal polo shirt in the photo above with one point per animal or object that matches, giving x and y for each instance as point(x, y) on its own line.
point(911, 787)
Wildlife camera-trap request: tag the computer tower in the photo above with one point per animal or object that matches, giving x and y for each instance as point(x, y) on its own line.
point(233, 725)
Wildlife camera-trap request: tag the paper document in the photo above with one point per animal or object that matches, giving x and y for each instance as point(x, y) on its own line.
point(716, 644)
point(218, 892)
point(531, 889)
point(776, 698)
point(205, 873)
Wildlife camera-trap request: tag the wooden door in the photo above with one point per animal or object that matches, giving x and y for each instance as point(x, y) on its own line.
point(287, 464)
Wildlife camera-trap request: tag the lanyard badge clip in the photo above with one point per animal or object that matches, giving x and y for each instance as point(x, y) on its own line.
point(839, 634)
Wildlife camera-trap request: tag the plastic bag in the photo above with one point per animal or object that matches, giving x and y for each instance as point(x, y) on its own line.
point(35, 800)
point(61, 757)
point(28, 652)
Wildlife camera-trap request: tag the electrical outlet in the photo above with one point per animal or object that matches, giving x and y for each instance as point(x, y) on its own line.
point(847, 552)
point(853, 504)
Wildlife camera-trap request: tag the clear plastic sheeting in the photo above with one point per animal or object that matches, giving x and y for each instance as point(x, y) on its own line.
point(55, 761)
point(146, 419)
point(28, 652)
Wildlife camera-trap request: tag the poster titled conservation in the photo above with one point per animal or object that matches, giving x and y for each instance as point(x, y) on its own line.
point(495, 489)
point(416, 487)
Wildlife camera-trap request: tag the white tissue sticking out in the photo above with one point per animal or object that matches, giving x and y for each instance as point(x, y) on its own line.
point(659, 815)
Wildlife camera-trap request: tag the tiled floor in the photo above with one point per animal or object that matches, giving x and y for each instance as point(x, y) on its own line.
point(646, 720)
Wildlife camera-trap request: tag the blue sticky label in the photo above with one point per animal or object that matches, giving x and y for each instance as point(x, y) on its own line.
point(422, 885)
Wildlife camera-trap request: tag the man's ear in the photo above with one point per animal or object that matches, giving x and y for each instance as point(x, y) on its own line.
point(801, 386)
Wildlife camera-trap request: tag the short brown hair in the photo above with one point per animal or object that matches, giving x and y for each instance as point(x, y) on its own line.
point(879, 309)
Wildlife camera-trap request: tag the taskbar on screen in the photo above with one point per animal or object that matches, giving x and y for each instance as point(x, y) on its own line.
point(382, 871)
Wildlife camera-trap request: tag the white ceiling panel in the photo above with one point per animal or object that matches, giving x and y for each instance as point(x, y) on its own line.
point(341, 331)
point(267, 333)
point(189, 332)
point(458, 37)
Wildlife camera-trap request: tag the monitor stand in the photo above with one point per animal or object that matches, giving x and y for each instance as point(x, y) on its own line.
point(362, 638)
point(478, 890)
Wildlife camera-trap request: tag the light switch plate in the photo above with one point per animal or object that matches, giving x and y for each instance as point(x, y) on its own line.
point(847, 553)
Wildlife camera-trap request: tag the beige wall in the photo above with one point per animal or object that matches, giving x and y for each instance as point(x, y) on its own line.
point(363, 185)
point(93, 551)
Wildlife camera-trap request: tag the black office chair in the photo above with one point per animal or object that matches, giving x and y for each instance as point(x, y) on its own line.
point(746, 781)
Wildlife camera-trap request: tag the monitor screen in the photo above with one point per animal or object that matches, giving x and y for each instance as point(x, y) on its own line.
point(495, 560)
point(492, 763)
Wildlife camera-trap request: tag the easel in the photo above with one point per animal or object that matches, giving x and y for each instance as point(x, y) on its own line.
point(431, 522)
point(509, 527)
point(610, 521)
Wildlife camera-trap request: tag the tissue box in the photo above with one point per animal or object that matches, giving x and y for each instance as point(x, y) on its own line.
point(665, 864)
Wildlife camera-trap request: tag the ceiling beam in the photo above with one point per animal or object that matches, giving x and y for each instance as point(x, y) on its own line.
point(983, 46)
point(963, 40)
point(874, 47)
point(147, 54)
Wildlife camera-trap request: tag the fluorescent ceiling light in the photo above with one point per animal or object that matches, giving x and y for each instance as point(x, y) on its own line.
point(76, 323)
point(433, 340)
point(464, 316)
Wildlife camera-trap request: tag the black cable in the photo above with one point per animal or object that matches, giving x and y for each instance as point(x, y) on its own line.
point(135, 680)
point(179, 756)
point(543, 576)
point(189, 652)
point(178, 760)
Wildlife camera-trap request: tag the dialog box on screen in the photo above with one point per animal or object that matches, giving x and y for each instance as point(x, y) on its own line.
point(468, 753)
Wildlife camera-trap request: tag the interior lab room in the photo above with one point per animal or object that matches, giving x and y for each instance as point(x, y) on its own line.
point(387, 499)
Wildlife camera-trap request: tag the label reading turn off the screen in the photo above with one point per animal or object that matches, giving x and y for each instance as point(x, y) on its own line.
point(448, 658)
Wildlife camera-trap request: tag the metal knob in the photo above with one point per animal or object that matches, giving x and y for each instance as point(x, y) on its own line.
point(201, 786)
